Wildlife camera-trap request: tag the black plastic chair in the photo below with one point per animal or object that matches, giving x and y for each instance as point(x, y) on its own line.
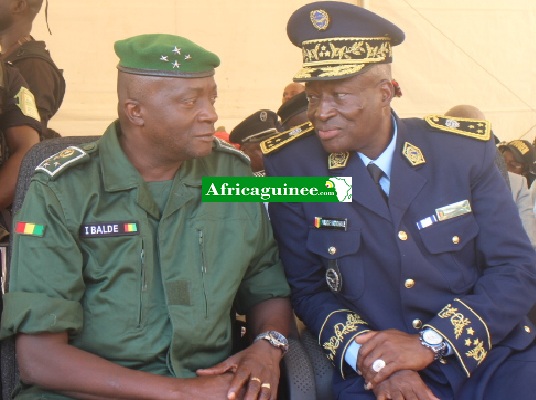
point(8, 363)
point(297, 379)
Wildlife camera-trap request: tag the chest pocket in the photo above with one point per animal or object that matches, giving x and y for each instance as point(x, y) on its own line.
point(453, 242)
point(341, 247)
point(451, 235)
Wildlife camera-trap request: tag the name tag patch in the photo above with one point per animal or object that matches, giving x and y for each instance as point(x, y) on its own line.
point(105, 229)
point(331, 223)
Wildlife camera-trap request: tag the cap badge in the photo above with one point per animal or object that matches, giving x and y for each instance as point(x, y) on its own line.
point(520, 146)
point(413, 154)
point(263, 116)
point(320, 19)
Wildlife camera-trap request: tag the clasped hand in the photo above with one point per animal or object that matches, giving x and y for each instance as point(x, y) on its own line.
point(399, 351)
point(255, 370)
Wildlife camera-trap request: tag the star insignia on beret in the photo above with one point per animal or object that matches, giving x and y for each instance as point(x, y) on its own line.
point(164, 58)
point(177, 50)
point(176, 64)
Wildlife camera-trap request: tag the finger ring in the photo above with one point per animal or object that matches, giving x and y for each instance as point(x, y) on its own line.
point(266, 385)
point(255, 379)
point(378, 365)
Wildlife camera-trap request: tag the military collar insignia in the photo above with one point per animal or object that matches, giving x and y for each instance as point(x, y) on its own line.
point(320, 19)
point(413, 154)
point(109, 229)
point(59, 161)
point(338, 160)
point(473, 128)
point(280, 140)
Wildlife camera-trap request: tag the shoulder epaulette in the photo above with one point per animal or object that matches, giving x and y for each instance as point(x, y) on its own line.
point(226, 147)
point(276, 142)
point(473, 128)
point(65, 159)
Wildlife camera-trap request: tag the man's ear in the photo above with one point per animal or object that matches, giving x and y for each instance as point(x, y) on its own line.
point(18, 6)
point(133, 112)
point(387, 91)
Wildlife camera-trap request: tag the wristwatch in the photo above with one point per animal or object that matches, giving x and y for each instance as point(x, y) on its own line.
point(275, 338)
point(435, 342)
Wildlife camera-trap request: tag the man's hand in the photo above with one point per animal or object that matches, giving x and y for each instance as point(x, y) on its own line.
point(256, 371)
point(403, 385)
point(399, 351)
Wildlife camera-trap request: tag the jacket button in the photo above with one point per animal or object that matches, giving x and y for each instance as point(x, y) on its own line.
point(417, 323)
point(455, 239)
point(527, 329)
point(332, 250)
point(402, 235)
point(409, 283)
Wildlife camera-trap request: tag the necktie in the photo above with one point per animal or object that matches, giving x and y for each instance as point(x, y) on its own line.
point(376, 173)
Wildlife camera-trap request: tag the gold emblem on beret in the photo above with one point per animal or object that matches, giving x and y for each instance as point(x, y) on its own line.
point(338, 160)
point(320, 19)
point(413, 154)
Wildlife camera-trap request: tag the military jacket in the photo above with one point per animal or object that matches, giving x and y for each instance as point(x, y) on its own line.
point(86, 260)
point(447, 252)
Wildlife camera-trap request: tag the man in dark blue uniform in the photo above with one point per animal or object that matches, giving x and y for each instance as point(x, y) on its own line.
point(421, 288)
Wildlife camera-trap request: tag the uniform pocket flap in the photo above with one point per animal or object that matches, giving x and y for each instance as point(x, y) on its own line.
point(450, 235)
point(332, 244)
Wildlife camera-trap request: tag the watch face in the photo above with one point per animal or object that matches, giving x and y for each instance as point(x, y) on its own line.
point(432, 337)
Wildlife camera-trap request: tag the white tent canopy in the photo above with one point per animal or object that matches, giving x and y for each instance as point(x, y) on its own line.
point(479, 52)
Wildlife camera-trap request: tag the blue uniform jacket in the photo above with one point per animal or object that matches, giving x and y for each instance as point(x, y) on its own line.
point(472, 278)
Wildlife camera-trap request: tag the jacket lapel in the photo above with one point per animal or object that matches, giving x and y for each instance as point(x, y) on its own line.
point(406, 180)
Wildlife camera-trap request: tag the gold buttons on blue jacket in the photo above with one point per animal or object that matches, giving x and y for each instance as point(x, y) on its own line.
point(402, 235)
point(456, 239)
point(332, 250)
point(417, 323)
point(409, 283)
point(527, 328)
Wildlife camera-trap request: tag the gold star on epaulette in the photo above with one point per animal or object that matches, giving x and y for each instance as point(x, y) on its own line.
point(473, 128)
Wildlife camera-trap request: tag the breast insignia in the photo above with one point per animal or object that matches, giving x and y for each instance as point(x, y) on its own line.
point(473, 128)
point(282, 139)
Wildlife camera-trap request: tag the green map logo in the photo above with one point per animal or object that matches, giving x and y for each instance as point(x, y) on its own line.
point(277, 189)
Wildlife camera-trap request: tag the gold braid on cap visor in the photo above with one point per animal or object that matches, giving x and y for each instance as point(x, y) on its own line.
point(342, 56)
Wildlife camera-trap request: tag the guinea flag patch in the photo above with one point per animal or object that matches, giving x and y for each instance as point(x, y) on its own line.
point(30, 229)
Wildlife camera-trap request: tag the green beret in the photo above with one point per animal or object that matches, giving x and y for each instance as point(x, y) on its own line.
point(164, 55)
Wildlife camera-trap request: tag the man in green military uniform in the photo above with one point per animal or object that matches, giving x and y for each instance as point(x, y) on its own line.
point(122, 280)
